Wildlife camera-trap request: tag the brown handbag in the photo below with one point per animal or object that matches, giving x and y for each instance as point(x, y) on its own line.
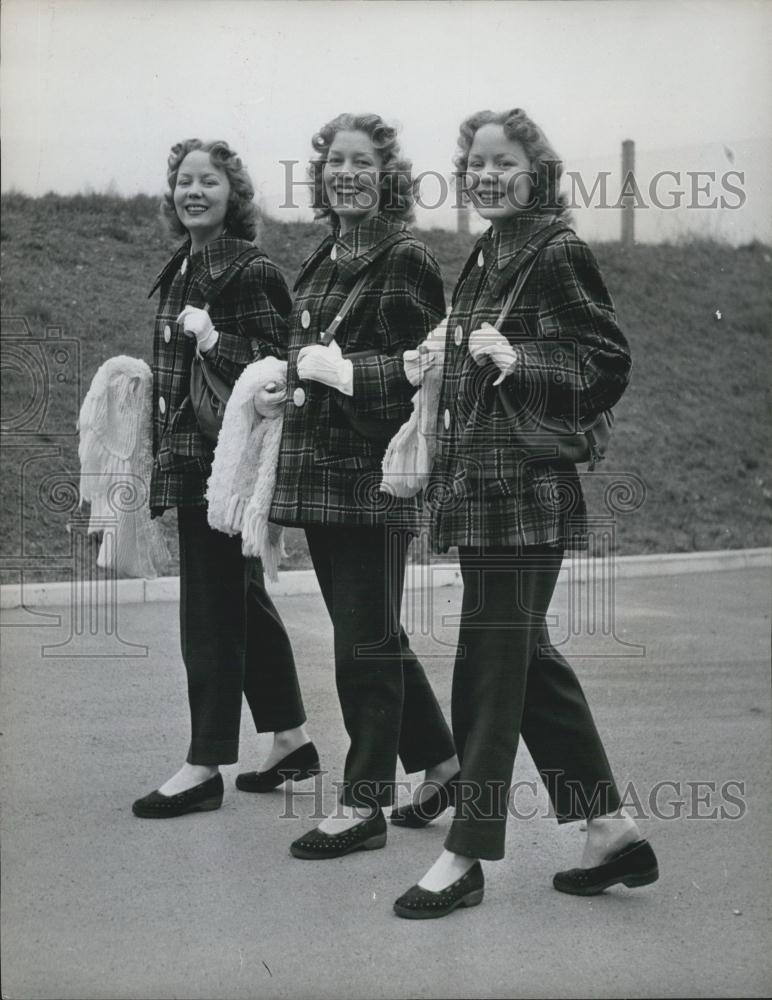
point(572, 441)
point(209, 394)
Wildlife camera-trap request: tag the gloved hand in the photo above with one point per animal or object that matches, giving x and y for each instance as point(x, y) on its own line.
point(270, 399)
point(429, 352)
point(327, 365)
point(197, 323)
point(487, 344)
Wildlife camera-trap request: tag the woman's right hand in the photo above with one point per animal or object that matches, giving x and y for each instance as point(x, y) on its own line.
point(271, 397)
point(428, 353)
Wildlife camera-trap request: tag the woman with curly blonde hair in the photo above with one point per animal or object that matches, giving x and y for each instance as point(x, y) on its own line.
point(223, 299)
point(513, 505)
point(346, 396)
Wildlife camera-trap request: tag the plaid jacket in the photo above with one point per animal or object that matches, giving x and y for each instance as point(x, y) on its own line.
point(249, 304)
point(575, 363)
point(328, 473)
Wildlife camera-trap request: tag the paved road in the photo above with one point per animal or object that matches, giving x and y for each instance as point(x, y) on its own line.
point(99, 904)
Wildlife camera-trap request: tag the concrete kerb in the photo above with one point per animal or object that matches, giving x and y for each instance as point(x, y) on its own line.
point(295, 582)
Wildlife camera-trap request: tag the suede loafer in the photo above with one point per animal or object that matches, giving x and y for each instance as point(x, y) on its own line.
point(634, 865)
point(366, 836)
point(419, 814)
point(296, 766)
point(422, 904)
point(201, 798)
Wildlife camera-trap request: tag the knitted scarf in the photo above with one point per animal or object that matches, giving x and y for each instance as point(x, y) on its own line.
point(115, 452)
point(240, 488)
point(410, 454)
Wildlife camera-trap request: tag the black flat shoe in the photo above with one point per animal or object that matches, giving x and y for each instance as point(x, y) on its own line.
point(200, 798)
point(366, 836)
point(422, 904)
point(419, 814)
point(634, 865)
point(301, 763)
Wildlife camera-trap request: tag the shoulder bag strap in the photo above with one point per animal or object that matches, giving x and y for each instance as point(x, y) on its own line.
point(368, 275)
point(514, 295)
point(540, 241)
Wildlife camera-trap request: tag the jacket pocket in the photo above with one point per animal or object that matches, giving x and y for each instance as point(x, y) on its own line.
point(494, 472)
point(183, 436)
point(337, 445)
point(235, 347)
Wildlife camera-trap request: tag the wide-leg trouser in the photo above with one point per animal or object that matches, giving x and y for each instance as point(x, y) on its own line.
point(387, 703)
point(509, 681)
point(233, 643)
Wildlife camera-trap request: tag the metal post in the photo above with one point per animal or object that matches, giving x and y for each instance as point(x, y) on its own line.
point(628, 200)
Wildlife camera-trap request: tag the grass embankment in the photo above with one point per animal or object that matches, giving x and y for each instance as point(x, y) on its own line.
point(692, 426)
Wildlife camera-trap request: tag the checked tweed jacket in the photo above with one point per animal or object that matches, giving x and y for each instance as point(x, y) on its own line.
point(574, 363)
point(249, 304)
point(328, 472)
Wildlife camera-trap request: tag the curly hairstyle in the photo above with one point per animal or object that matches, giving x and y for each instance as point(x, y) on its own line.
point(396, 195)
point(546, 165)
point(241, 216)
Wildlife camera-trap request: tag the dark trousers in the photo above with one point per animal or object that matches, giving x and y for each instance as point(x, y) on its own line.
point(387, 704)
point(233, 642)
point(509, 681)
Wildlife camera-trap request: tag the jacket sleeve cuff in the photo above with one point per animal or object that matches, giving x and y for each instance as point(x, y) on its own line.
point(208, 342)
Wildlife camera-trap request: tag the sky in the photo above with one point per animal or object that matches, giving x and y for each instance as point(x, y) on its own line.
point(94, 92)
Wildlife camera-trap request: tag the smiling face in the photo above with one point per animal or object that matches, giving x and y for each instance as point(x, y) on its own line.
point(498, 175)
point(351, 178)
point(201, 197)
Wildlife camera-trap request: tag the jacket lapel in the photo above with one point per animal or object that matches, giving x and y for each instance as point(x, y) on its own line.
point(481, 244)
point(170, 267)
point(311, 262)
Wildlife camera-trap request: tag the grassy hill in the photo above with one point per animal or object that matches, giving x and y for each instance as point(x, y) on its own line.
point(692, 427)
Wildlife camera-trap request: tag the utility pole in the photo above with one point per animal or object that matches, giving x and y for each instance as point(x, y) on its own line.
point(628, 200)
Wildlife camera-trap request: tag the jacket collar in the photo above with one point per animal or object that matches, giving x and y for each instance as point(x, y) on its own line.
point(210, 266)
point(513, 246)
point(360, 247)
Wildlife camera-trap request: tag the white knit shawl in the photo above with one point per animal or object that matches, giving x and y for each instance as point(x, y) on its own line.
point(115, 452)
point(408, 461)
point(241, 486)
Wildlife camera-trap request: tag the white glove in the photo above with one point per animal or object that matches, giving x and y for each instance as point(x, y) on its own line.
point(487, 344)
point(428, 353)
point(197, 323)
point(328, 366)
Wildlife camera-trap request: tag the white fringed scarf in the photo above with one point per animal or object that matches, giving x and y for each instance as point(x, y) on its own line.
point(115, 452)
point(408, 461)
point(240, 488)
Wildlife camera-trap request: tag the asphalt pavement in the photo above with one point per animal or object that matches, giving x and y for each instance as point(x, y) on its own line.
point(99, 904)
